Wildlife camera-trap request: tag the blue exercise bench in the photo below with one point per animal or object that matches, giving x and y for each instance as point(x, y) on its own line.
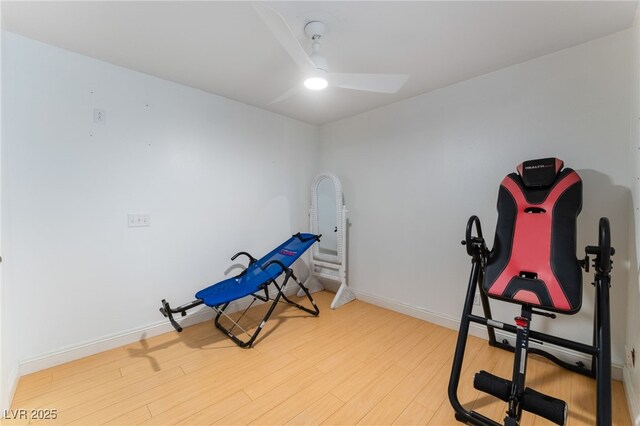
point(256, 278)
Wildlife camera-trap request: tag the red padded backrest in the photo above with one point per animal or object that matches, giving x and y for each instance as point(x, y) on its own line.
point(533, 260)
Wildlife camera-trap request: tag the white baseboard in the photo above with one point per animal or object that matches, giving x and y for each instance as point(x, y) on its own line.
point(474, 329)
point(94, 346)
point(632, 399)
point(12, 385)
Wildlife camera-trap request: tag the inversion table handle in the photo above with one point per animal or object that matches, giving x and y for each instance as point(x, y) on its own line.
point(304, 240)
point(252, 259)
point(474, 244)
point(277, 262)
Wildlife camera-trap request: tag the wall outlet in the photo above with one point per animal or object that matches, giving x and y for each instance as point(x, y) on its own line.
point(99, 116)
point(138, 220)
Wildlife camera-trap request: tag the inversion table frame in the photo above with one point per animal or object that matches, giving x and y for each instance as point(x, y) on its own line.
point(533, 264)
point(259, 274)
point(600, 351)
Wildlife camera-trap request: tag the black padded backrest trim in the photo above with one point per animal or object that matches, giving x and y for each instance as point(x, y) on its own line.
point(538, 195)
point(540, 173)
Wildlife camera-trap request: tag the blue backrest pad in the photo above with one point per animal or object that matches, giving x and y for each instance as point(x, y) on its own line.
point(287, 253)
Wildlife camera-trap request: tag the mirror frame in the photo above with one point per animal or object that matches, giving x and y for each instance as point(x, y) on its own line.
point(337, 259)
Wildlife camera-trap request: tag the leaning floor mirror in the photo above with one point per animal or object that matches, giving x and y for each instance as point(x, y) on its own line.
point(328, 216)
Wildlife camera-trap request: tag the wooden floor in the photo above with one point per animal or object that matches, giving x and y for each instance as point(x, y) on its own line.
point(360, 364)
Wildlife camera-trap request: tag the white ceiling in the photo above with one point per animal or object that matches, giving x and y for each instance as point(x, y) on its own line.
point(224, 47)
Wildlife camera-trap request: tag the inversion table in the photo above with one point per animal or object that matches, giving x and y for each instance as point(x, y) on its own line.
point(256, 278)
point(533, 264)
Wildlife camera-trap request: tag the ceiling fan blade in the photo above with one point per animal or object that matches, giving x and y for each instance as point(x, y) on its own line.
point(283, 33)
point(285, 95)
point(381, 83)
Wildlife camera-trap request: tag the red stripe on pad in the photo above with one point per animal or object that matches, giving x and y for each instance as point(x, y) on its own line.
point(527, 296)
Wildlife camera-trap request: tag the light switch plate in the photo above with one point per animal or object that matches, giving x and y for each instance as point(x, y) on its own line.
point(138, 220)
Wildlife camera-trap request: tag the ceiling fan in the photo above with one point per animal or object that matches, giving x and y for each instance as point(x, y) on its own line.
point(315, 67)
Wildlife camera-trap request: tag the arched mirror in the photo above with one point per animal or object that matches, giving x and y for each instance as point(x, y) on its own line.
point(328, 217)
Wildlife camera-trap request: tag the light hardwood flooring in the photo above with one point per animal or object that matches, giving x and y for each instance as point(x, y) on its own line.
point(359, 364)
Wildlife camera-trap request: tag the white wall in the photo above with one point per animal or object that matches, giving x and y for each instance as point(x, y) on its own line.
point(413, 172)
point(632, 374)
point(8, 361)
point(216, 176)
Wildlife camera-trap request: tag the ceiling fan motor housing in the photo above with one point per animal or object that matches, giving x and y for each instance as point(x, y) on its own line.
point(315, 30)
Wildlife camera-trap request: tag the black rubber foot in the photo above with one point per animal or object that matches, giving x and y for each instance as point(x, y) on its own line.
point(510, 421)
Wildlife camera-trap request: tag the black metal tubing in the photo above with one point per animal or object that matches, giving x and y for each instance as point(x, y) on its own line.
point(168, 312)
point(288, 275)
point(604, 242)
point(536, 335)
point(603, 332)
point(603, 369)
point(476, 252)
point(304, 240)
point(252, 259)
point(254, 336)
point(579, 368)
point(265, 288)
point(461, 413)
point(518, 376)
point(484, 299)
point(315, 311)
point(469, 239)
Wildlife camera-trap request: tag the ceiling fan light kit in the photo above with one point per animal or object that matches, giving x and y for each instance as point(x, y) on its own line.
point(315, 67)
point(316, 83)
